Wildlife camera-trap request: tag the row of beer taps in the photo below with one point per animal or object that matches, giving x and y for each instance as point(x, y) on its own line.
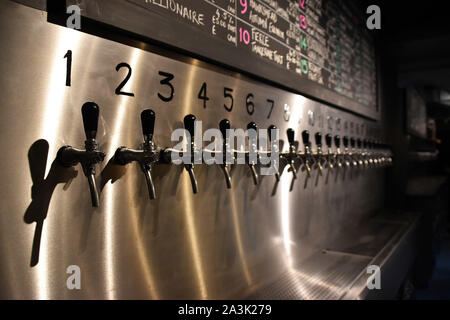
point(347, 153)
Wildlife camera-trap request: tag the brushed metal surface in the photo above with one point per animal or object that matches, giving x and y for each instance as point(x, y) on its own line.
point(218, 244)
point(324, 276)
point(395, 260)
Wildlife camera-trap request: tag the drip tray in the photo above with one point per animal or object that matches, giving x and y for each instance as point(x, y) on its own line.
point(365, 239)
point(322, 277)
point(331, 273)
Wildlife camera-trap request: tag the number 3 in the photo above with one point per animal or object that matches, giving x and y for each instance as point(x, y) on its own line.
point(166, 81)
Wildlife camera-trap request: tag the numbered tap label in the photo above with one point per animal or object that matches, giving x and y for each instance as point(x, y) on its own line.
point(311, 118)
point(330, 122)
point(287, 112)
point(244, 36)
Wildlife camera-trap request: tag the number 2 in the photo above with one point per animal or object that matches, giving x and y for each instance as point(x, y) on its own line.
point(124, 82)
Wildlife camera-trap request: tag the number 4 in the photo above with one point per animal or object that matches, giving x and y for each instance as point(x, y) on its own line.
point(203, 95)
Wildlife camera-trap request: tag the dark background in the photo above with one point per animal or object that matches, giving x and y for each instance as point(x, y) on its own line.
point(414, 45)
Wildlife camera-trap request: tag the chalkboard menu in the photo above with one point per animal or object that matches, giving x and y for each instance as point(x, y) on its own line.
point(317, 47)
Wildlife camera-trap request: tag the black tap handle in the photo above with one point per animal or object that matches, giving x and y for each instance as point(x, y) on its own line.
point(189, 125)
point(291, 136)
point(359, 143)
point(90, 112)
point(148, 122)
point(337, 141)
point(224, 125)
point(352, 142)
point(272, 127)
point(305, 137)
point(345, 140)
point(253, 126)
point(365, 144)
point(318, 139)
point(329, 140)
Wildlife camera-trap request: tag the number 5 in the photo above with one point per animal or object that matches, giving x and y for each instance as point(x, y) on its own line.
point(227, 94)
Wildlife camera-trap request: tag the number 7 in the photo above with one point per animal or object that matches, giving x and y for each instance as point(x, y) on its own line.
point(272, 104)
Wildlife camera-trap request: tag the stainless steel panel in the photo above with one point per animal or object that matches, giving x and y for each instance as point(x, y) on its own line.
point(364, 239)
point(323, 276)
point(395, 260)
point(217, 244)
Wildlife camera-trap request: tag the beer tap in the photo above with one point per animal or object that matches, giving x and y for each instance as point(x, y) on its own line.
point(319, 153)
point(369, 154)
point(307, 154)
point(330, 159)
point(225, 127)
point(253, 150)
point(69, 156)
point(292, 155)
point(376, 148)
point(147, 156)
point(346, 154)
point(364, 154)
point(189, 125)
point(339, 156)
point(389, 155)
point(273, 148)
point(382, 155)
point(352, 154)
point(378, 153)
point(360, 153)
point(373, 154)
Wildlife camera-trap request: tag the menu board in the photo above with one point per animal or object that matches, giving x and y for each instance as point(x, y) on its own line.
point(312, 46)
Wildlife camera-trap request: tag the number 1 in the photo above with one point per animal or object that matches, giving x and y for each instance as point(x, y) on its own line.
point(68, 56)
